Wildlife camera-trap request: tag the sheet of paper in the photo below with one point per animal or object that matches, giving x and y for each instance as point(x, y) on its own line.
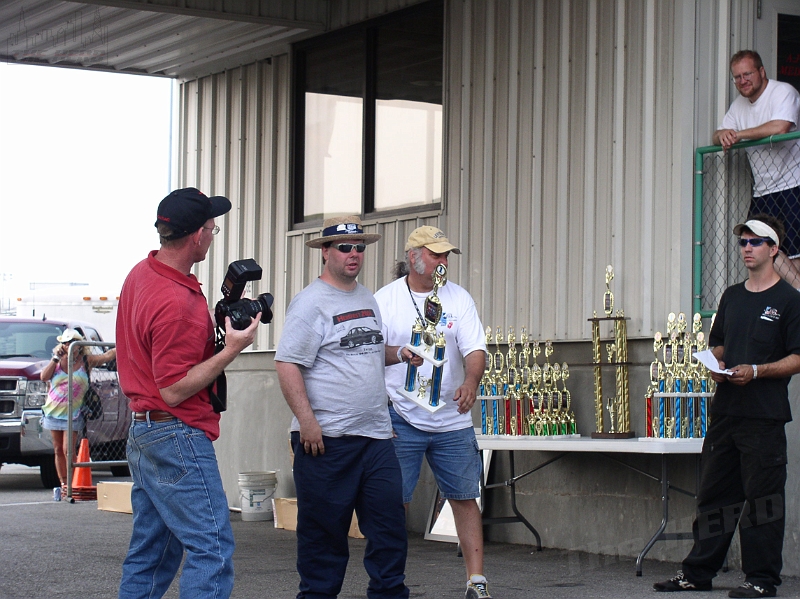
point(709, 360)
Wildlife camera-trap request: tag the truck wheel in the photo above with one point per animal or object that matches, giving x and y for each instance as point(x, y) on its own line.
point(47, 471)
point(120, 471)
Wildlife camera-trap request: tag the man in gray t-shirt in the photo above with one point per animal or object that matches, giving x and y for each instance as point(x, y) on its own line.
point(330, 364)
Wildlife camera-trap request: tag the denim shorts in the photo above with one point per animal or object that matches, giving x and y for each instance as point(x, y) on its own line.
point(58, 424)
point(453, 456)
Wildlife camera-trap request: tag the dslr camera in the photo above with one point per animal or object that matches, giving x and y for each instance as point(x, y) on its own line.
point(242, 311)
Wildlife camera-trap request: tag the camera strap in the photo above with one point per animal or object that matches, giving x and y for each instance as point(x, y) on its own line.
point(219, 399)
point(218, 390)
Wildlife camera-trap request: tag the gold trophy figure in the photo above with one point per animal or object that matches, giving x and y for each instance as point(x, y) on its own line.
point(669, 426)
point(548, 350)
point(430, 346)
point(611, 406)
point(697, 324)
point(681, 324)
point(608, 297)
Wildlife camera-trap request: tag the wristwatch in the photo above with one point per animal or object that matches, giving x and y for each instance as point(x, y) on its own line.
point(755, 371)
point(400, 353)
point(55, 359)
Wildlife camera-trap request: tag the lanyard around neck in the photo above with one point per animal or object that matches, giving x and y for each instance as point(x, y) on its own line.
point(413, 301)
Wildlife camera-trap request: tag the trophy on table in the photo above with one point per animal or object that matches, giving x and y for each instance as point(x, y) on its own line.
point(618, 406)
point(427, 343)
point(676, 403)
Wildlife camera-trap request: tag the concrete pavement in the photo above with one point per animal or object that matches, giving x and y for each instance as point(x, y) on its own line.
point(53, 550)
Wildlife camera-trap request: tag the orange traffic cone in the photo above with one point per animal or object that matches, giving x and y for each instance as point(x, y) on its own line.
point(82, 488)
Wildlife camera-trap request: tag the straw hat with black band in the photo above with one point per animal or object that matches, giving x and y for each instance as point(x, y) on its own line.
point(339, 228)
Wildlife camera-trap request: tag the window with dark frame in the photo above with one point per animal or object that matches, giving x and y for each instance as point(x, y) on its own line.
point(368, 122)
point(789, 49)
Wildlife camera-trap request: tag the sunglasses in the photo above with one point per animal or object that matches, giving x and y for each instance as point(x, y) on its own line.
point(754, 241)
point(346, 248)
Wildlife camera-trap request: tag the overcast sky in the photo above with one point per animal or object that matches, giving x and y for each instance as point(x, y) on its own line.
point(84, 161)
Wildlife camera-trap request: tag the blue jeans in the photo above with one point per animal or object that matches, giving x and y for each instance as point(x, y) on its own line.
point(179, 506)
point(354, 473)
point(454, 458)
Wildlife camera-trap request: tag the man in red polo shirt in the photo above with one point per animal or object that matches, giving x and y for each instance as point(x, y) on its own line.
point(166, 363)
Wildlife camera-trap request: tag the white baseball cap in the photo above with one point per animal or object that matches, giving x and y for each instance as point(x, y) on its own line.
point(756, 227)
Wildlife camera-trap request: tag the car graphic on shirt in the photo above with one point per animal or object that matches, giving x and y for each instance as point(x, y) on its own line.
point(361, 336)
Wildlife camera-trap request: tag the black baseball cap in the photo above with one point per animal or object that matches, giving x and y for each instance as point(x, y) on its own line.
point(188, 209)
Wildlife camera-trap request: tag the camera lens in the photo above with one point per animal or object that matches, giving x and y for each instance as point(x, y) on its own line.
point(261, 304)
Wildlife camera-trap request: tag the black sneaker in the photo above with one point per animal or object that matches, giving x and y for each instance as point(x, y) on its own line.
point(749, 589)
point(679, 583)
point(477, 588)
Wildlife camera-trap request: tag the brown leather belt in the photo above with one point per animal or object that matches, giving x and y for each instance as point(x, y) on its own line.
point(155, 416)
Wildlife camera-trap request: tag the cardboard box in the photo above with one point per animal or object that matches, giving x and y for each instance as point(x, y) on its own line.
point(285, 510)
point(114, 497)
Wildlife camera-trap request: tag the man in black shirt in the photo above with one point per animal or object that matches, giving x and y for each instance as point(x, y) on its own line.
point(756, 335)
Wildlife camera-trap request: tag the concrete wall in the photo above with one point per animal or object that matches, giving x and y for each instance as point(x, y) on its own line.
point(254, 430)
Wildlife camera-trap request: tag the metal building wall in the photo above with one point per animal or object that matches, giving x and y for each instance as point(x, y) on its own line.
point(570, 131)
point(234, 142)
point(567, 149)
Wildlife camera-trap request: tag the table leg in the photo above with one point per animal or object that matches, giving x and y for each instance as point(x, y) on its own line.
point(517, 517)
point(664, 512)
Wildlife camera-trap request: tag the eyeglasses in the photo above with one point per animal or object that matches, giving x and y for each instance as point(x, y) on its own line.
point(748, 76)
point(754, 241)
point(214, 230)
point(346, 248)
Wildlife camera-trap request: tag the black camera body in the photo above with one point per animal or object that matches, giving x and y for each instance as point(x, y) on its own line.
point(242, 310)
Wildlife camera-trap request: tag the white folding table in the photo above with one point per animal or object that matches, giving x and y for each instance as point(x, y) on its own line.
point(606, 447)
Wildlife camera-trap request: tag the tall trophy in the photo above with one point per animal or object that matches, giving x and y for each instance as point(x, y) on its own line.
point(618, 406)
point(429, 344)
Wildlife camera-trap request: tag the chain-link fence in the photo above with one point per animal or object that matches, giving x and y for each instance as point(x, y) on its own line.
point(724, 191)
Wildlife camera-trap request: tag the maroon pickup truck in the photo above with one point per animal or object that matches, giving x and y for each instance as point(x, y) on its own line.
point(25, 347)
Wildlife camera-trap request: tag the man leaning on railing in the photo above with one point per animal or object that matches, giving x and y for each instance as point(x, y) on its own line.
point(764, 108)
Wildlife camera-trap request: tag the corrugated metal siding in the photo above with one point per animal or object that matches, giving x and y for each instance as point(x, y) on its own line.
point(561, 155)
point(565, 152)
point(234, 143)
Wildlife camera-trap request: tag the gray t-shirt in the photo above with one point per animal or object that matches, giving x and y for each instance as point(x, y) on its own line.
point(335, 337)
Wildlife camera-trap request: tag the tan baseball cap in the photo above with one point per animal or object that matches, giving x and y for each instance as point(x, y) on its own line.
point(432, 238)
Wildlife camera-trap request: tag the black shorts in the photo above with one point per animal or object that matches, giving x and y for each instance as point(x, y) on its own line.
point(785, 206)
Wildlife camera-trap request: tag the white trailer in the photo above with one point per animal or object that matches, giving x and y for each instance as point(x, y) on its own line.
point(98, 309)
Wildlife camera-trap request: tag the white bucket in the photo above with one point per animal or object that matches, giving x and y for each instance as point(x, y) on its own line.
point(255, 492)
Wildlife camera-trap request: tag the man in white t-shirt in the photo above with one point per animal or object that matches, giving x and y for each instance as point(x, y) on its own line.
point(446, 438)
point(766, 107)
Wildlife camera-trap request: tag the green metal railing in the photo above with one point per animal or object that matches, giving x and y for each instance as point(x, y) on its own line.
point(717, 208)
